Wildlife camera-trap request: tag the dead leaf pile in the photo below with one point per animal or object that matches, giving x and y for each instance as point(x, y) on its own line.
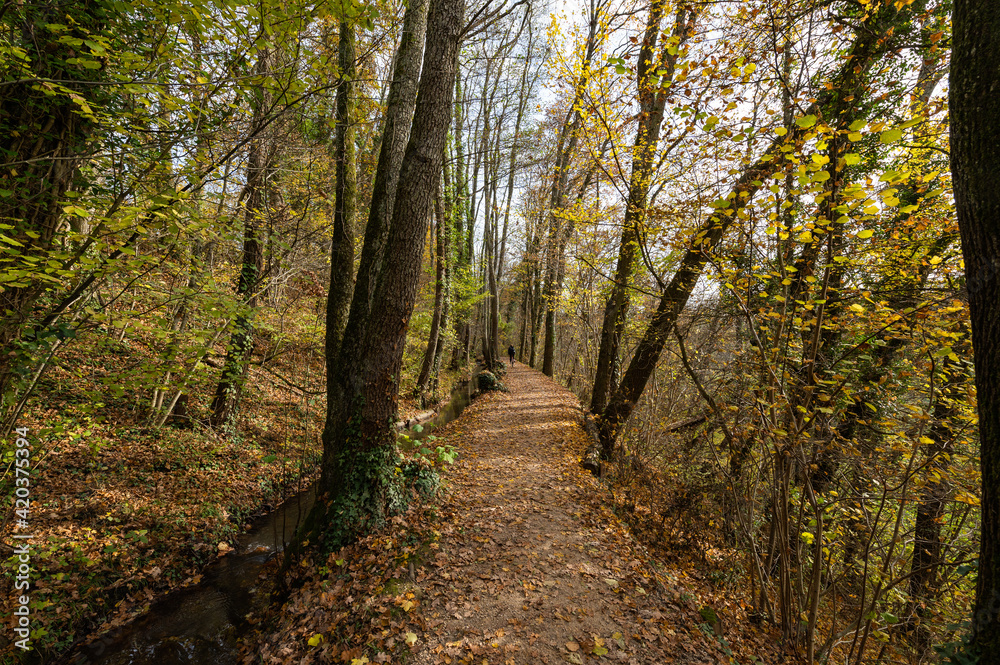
point(524, 563)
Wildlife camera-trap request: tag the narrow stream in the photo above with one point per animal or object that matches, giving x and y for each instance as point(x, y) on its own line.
point(202, 624)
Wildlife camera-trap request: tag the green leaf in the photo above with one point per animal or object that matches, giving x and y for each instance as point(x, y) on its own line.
point(891, 135)
point(852, 158)
point(806, 121)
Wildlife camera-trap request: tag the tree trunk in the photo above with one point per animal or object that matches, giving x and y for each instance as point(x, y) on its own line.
point(342, 249)
point(395, 134)
point(974, 105)
point(652, 101)
point(230, 387)
point(463, 232)
point(568, 136)
point(439, 295)
point(867, 48)
point(359, 484)
point(443, 211)
point(43, 139)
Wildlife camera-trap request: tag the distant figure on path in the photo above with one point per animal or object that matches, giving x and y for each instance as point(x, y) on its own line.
point(510, 354)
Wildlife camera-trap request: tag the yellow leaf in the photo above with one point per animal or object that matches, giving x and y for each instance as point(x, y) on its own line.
point(867, 233)
point(891, 136)
point(315, 640)
point(411, 639)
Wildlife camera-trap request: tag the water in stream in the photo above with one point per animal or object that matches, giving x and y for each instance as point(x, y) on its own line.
point(202, 624)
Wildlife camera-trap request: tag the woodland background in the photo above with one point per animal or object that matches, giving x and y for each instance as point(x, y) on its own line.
point(728, 227)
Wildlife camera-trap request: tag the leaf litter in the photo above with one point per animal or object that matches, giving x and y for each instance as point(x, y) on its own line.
point(522, 561)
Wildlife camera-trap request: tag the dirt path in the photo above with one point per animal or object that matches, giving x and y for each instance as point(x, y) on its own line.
point(530, 568)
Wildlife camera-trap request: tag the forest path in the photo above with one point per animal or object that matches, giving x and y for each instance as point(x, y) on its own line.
point(531, 565)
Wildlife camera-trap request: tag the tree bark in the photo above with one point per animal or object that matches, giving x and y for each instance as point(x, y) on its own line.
point(359, 484)
point(870, 44)
point(974, 103)
point(338, 303)
point(652, 101)
point(43, 139)
point(395, 134)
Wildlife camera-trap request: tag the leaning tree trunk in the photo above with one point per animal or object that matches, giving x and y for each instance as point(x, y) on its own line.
point(652, 101)
point(869, 46)
point(359, 485)
point(974, 104)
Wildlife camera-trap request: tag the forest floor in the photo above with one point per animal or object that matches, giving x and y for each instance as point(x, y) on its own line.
point(523, 561)
point(122, 512)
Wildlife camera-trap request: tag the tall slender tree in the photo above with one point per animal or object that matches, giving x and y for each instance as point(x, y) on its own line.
point(359, 484)
point(565, 149)
point(342, 247)
point(656, 55)
point(975, 160)
point(260, 155)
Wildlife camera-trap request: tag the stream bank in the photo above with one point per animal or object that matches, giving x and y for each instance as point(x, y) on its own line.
point(202, 624)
